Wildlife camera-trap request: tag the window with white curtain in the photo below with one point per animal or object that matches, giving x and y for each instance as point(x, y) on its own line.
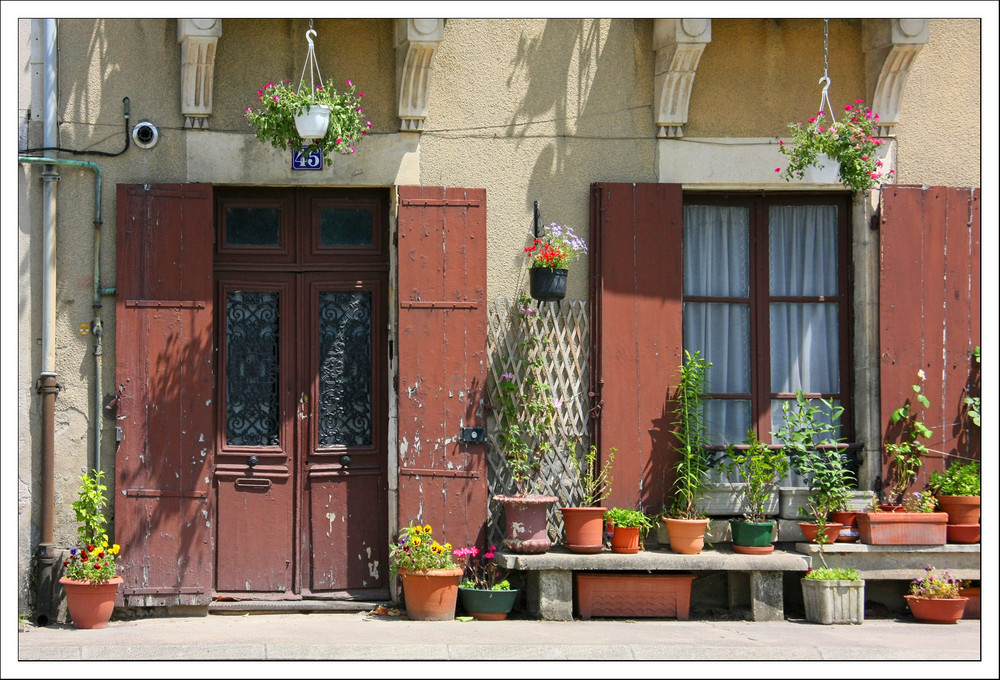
point(765, 301)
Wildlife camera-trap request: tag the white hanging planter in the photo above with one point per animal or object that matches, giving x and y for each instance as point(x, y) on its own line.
point(314, 123)
point(828, 174)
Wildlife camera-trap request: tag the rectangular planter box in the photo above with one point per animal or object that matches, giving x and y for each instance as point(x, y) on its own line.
point(831, 602)
point(903, 528)
point(794, 497)
point(635, 595)
point(724, 500)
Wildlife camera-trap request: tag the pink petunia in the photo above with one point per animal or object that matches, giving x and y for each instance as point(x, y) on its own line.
point(348, 83)
point(777, 169)
point(812, 120)
point(858, 101)
point(848, 107)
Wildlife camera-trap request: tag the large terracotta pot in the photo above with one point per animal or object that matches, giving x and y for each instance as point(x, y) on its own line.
point(964, 533)
point(527, 522)
point(936, 610)
point(687, 536)
point(973, 608)
point(487, 605)
point(431, 594)
point(903, 528)
point(91, 604)
point(584, 529)
point(961, 509)
point(811, 531)
point(625, 540)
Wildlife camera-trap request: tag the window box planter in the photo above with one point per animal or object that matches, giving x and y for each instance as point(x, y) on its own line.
point(834, 602)
point(903, 528)
point(725, 500)
point(634, 595)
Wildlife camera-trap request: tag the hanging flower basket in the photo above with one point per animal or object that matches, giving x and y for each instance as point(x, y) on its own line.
point(313, 117)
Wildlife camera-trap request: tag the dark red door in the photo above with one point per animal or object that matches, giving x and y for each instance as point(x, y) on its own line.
point(300, 469)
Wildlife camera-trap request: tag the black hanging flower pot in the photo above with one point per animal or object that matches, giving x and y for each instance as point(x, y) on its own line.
point(548, 284)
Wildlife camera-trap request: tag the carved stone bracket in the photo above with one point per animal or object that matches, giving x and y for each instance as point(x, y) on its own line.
point(890, 47)
point(416, 41)
point(678, 45)
point(198, 39)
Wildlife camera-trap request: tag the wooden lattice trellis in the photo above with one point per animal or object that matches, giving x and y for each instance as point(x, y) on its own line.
point(566, 326)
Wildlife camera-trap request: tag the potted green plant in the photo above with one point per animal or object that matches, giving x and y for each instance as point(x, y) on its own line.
point(958, 494)
point(808, 434)
point(685, 525)
point(630, 526)
point(524, 418)
point(850, 143)
point(429, 573)
point(933, 599)
point(278, 106)
point(484, 591)
point(834, 595)
point(583, 525)
point(906, 456)
point(90, 575)
point(549, 256)
point(760, 468)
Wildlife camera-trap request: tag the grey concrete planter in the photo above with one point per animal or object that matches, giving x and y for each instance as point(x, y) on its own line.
point(724, 500)
point(834, 602)
point(794, 497)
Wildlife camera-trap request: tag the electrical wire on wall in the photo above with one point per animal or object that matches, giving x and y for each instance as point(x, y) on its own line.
point(87, 153)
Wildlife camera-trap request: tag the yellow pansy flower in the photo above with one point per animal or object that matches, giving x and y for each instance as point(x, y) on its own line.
point(416, 541)
point(417, 530)
point(427, 529)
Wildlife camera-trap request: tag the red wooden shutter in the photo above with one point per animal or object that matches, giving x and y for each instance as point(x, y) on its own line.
point(636, 287)
point(166, 386)
point(442, 360)
point(929, 312)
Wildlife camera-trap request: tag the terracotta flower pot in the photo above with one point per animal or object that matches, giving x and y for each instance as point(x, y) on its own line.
point(973, 608)
point(635, 595)
point(625, 540)
point(687, 536)
point(964, 533)
point(936, 610)
point(849, 520)
point(961, 509)
point(431, 594)
point(91, 604)
point(903, 528)
point(810, 531)
point(584, 529)
point(527, 522)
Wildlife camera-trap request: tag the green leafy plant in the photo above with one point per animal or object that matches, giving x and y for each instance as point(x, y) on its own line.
point(93, 559)
point(627, 517)
point(960, 479)
point(759, 467)
point(972, 401)
point(596, 484)
point(692, 467)
point(278, 104)
point(906, 457)
point(481, 569)
point(527, 407)
point(416, 548)
point(814, 451)
point(833, 574)
point(556, 248)
point(920, 502)
point(934, 587)
point(850, 143)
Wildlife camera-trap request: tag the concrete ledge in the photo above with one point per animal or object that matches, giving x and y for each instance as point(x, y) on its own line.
point(722, 558)
point(891, 562)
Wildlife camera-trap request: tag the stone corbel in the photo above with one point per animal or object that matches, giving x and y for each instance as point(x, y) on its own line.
point(198, 39)
point(678, 45)
point(416, 41)
point(890, 47)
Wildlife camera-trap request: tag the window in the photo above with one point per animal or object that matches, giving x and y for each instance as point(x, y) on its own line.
point(766, 301)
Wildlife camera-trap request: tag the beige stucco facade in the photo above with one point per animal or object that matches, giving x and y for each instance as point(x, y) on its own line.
point(529, 109)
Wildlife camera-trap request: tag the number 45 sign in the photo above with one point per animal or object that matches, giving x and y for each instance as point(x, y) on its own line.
point(312, 160)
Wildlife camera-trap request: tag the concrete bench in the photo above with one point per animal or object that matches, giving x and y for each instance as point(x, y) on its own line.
point(897, 562)
point(550, 575)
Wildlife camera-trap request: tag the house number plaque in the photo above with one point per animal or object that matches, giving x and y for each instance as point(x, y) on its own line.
point(312, 160)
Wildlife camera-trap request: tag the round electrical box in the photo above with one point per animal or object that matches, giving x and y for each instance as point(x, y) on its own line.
point(145, 135)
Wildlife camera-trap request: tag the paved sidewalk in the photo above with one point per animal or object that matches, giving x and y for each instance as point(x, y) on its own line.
point(362, 636)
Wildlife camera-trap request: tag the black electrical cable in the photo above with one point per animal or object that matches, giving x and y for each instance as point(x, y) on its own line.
point(88, 153)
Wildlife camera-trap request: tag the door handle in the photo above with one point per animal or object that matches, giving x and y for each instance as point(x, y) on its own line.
point(303, 406)
point(345, 460)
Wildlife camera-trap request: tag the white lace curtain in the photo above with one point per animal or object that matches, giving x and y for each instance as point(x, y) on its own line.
point(804, 340)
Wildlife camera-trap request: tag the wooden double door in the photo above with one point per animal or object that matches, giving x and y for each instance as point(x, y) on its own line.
point(300, 468)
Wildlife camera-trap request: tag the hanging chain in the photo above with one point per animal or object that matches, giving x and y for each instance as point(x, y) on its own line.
point(310, 64)
point(824, 100)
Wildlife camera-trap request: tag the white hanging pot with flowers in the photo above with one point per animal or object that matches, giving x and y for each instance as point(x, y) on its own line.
point(313, 117)
point(848, 146)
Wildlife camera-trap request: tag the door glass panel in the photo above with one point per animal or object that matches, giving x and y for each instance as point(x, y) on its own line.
point(805, 345)
point(345, 227)
point(345, 368)
point(252, 226)
point(803, 250)
point(252, 369)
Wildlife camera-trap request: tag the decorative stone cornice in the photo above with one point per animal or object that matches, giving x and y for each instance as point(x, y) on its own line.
point(198, 39)
point(416, 41)
point(678, 45)
point(890, 47)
